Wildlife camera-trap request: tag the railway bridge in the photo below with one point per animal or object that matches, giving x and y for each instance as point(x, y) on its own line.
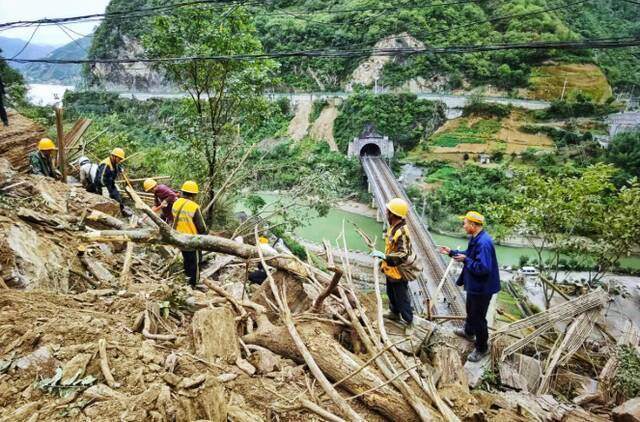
point(371, 148)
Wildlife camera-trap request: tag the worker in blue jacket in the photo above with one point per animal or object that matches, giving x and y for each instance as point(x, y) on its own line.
point(480, 277)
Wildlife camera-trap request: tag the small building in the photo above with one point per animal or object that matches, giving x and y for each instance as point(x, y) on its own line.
point(370, 143)
point(484, 159)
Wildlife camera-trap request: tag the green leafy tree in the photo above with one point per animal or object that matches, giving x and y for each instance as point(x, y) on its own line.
point(254, 203)
point(14, 84)
point(624, 152)
point(570, 214)
point(612, 232)
point(220, 89)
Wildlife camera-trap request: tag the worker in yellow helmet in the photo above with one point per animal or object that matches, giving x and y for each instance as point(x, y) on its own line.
point(163, 198)
point(187, 219)
point(259, 275)
point(40, 160)
point(108, 171)
point(398, 263)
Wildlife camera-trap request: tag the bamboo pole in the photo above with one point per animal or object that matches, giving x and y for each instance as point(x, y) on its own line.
point(432, 301)
point(285, 314)
point(601, 326)
point(145, 178)
point(60, 130)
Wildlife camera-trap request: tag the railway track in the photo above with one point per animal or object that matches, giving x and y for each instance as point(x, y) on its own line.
point(384, 187)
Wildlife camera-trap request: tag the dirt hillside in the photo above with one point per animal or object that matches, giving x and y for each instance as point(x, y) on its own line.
point(18, 139)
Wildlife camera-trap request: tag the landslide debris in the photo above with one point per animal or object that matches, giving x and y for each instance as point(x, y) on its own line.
point(80, 341)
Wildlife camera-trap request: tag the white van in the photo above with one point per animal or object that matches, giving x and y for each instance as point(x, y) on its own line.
point(528, 271)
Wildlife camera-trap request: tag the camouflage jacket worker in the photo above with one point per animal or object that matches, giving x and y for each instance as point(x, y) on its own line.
point(40, 164)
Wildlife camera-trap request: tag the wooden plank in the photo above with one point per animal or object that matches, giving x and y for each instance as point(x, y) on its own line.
point(76, 132)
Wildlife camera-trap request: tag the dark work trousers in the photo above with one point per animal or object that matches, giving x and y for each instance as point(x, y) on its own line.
point(399, 301)
point(476, 322)
point(3, 112)
point(258, 276)
point(191, 260)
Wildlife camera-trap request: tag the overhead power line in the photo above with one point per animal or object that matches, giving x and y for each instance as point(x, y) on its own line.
point(24, 47)
point(152, 11)
point(604, 43)
point(53, 21)
point(62, 28)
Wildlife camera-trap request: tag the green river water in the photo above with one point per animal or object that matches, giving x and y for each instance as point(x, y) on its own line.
point(330, 227)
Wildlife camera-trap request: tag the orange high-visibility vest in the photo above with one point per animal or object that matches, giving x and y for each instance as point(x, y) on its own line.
point(390, 246)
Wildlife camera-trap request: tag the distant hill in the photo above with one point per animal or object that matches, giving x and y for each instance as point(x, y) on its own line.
point(293, 25)
point(11, 46)
point(67, 74)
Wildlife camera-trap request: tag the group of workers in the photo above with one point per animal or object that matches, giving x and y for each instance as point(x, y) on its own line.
point(480, 274)
point(94, 177)
point(179, 210)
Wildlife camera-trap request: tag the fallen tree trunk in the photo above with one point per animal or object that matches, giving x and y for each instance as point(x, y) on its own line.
point(336, 363)
point(205, 243)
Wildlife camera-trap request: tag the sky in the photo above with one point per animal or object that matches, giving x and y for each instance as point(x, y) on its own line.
point(13, 10)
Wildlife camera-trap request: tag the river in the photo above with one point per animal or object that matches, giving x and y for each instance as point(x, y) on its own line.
point(46, 94)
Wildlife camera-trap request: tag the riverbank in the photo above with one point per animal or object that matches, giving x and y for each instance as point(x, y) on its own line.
point(355, 207)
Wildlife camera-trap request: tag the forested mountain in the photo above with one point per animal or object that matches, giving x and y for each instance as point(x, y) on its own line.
point(12, 46)
point(293, 25)
point(67, 74)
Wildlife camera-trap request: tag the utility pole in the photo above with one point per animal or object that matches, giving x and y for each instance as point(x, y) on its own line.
point(61, 156)
point(564, 87)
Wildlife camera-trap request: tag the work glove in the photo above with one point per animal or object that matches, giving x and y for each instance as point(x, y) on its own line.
point(378, 254)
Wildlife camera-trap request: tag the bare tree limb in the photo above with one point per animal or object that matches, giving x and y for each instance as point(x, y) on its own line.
point(104, 364)
point(285, 315)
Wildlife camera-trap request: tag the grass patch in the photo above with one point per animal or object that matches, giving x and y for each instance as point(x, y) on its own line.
point(476, 133)
point(547, 82)
point(508, 304)
point(442, 174)
point(627, 380)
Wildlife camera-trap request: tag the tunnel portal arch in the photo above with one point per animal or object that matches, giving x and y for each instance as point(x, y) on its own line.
point(371, 143)
point(371, 150)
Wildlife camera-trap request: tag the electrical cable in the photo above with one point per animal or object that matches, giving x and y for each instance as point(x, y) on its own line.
point(604, 43)
point(27, 43)
point(118, 13)
point(72, 39)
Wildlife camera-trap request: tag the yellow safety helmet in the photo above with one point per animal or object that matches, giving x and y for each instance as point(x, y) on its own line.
point(263, 240)
point(190, 187)
point(474, 216)
point(149, 184)
point(398, 207)
point(118, 152)
point(46, 144)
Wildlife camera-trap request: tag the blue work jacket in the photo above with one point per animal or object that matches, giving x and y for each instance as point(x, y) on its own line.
point(480, 274)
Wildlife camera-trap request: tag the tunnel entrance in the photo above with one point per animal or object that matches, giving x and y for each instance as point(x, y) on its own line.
point(371, 150)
